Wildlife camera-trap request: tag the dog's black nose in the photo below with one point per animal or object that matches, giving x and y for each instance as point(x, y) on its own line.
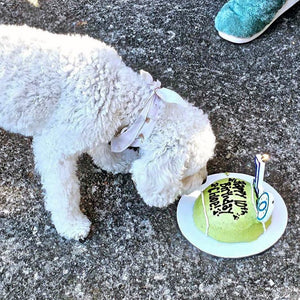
point(204, 180)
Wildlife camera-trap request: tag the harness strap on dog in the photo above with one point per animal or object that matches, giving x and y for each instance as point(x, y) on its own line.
point(143, 126)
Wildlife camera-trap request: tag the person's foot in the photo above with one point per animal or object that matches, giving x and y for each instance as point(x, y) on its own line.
point(241, 21)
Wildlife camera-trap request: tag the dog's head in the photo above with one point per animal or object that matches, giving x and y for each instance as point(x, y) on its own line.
point(174, 161)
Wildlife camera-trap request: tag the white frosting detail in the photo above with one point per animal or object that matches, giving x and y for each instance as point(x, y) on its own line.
point(252, 199)
point(205, 214)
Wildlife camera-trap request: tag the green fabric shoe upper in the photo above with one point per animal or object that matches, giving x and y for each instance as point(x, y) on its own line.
point(244, 18)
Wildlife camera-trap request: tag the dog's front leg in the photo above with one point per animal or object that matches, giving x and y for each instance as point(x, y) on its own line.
point(62, 196)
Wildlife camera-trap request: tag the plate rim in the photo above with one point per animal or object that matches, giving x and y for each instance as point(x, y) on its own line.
point(258, 248)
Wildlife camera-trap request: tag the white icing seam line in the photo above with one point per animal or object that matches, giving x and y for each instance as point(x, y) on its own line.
point(205, 214)
point(264, 226)
point(252, 199)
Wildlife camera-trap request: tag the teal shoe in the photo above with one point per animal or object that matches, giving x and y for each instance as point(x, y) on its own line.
point(241, 21)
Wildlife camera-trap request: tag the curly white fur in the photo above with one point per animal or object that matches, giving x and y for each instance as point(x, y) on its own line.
point(73, 94)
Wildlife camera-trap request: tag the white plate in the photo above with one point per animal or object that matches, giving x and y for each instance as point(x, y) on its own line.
point(230, 250)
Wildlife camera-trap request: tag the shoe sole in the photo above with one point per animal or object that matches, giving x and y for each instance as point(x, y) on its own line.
point(238, 40)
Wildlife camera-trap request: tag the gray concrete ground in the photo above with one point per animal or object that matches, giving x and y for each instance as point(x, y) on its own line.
point(252, 95)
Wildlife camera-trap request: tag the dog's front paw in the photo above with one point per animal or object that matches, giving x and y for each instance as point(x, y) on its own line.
point(75, 227)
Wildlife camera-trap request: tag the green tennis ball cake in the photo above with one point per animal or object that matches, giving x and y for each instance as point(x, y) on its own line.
point(226, 211)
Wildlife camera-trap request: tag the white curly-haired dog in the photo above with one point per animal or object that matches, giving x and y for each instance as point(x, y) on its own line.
point(74, 94)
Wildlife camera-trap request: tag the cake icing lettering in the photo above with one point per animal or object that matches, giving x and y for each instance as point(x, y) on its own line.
point(242, 204)
point(239, 187)
point(227, 203)
point(214, 203)
point(222, 198)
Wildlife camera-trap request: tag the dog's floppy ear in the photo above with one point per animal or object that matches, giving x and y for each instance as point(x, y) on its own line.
point(146, 76)
point(158, 176)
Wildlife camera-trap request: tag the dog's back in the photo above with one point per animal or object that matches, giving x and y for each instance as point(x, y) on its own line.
point(29, 79)
point(36, 69)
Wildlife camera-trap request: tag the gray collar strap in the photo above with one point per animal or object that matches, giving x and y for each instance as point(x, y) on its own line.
point(142, 127)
